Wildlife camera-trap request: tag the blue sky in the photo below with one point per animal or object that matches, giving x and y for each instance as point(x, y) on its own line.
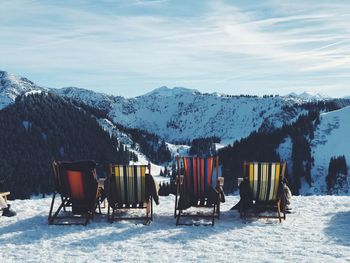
point(130, 47)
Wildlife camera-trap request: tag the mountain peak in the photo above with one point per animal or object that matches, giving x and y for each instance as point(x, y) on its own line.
point(165, 91)
point(307, 95)
point(12, 86)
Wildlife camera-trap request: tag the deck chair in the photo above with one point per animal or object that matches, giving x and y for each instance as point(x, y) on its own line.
point(198, 187)
point(130, 187)
point(76, 184)
point(265, 189)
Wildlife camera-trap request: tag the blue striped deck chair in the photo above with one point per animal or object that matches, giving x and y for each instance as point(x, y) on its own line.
point(129, 188)
point(197, 186)
point(265, 181)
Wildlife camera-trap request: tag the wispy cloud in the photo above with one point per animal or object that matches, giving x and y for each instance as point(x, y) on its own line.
point(130, 47)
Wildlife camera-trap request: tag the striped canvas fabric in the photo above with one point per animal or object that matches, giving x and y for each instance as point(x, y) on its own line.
point(199, 175)
point(264, 179)
point(130, 182)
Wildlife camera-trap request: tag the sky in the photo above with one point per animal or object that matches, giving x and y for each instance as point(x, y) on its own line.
point(130, 47)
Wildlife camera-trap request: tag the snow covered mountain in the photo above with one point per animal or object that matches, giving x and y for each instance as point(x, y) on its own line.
point(331, 139)
point(181, 114)
point(308, 96)
point(176, 114)
point(12, 86)
point(94, 99)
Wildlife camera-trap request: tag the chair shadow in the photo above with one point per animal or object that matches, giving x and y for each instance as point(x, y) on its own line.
point(338, 228)
point(36, 229)
point(163, 226)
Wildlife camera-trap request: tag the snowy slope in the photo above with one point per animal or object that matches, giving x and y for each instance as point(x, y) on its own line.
point(95, 99)
point(331, 139)
point(127, 141)
point(181, 114)
point(310, 234)
point(12, 86)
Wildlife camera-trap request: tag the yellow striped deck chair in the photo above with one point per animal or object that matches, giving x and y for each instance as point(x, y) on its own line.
point(265, 181)
point(129, 188)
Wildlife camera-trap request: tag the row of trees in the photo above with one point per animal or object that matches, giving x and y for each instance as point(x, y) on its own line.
point(204, 146)
point(337, 174)
point(40, 128)
point(260, 146)
point(150, 144)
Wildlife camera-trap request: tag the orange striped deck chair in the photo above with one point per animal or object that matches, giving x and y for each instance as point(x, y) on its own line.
point(129, 188)
point(265, 181)
point(197, 186)
point(76, 184)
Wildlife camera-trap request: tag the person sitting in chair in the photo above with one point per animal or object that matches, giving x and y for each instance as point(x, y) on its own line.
point(6, 211)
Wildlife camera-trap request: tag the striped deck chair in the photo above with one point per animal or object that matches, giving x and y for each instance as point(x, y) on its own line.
point(265, 185)
point(197, 187)
point(76, 183)
point(129, 188)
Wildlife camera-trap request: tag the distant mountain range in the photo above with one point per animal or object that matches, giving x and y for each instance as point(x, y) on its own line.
point(179, 115)
point(309, 96)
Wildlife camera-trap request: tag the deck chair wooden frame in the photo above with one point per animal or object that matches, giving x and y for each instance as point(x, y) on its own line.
point(128, 177)
point(4, 195)
point(203, 201)
point(260, 174)
point(67, 197)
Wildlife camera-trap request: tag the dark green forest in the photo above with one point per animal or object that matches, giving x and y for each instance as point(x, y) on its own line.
point(337, 174)
point(40, 128)
point(262, 146)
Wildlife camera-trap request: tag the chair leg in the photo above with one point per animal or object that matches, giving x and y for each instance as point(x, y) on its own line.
point(108, 213)
point(151, 209)
point(213, 219)
point(284, 207)
point(218, 207)
point(279, 211)
point(175, 205)
point(51, 208)
point(178, 217)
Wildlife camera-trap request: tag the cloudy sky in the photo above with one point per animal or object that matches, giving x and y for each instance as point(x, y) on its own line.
point(129, 47)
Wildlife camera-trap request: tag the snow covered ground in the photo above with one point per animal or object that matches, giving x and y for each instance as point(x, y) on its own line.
point(317, 231)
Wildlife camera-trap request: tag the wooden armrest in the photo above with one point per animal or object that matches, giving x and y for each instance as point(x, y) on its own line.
point(4, 195)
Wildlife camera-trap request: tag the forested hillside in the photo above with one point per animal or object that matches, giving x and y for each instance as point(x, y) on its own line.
point(264, 146)
point(43, 127)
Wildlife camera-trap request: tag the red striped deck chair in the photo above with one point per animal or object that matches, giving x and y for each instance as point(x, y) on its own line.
point(76, 184)
point(197, 187)
point(266, 189)
point(129, 188)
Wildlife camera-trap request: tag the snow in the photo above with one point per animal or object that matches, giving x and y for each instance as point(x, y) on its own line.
point(32, 92)
point(127, 141)
point(285, 152)
point(317, 231)
point(180, 114)
point(178, 149)
point(309, 96)
point(12, 86)
point(330, 140)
